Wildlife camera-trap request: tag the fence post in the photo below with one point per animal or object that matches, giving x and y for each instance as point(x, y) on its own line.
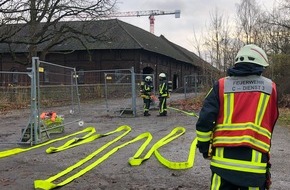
point(195, 84)
point(185, 85)
point(106, 92)
point(133, 83)
point(34, 115)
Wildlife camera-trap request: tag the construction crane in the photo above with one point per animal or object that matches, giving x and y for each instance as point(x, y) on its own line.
point(150, 13)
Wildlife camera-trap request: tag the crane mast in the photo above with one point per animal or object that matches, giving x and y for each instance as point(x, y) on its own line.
point(150, 13)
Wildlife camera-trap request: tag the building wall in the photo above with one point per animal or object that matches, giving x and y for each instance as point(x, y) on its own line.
point(140, 59)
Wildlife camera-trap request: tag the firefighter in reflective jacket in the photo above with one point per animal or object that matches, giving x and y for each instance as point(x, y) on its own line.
point(163, 94)
point(146, 92)
point(236, 122)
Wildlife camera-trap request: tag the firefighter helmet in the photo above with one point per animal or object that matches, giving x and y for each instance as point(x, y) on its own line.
point(148, 79)
point(252, 54)
point(162, 75)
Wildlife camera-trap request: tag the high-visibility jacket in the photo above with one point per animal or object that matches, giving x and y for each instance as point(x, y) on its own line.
point(163, 89)
point(239, 116)
point(247, 113)
point(146, 90)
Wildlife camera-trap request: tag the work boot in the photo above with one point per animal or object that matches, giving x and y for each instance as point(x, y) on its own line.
point(161, 114)
point(146, 113)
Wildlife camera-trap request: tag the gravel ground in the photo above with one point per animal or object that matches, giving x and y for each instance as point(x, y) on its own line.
point(18, 172)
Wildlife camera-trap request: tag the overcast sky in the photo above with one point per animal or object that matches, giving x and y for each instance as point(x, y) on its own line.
point(195, 16)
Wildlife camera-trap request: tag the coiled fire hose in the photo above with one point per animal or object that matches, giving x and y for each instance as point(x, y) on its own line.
point(10, 152)
point(91, 135)
point(133, 161)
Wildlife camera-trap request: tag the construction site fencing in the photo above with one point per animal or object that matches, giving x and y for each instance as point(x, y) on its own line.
point(14, 90)
point(115, 91)
point(15, 98)
point(197, 84)
point(48, 93)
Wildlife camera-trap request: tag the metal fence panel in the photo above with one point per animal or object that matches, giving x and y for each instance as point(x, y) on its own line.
point(47, 88)
point(197, 84)
point(15, 94)
point(104, 89)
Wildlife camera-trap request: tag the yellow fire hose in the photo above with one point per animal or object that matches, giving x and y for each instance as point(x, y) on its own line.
point(134, 161)
point(6, 153)
point(47, 184)
point(195, 115)
point(187, 113)
point(91, 135)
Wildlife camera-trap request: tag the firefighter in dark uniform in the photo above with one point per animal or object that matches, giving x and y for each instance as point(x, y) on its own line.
point(146, 92)
point(236, 123)
point(163, 94)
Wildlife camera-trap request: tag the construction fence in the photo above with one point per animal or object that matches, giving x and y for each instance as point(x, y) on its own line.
point(105, 88)
point(197, 84)
point(102, 89)
point(47, 96)
point(52, 96)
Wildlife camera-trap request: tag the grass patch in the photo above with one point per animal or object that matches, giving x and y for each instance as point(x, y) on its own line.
point(284, 117)
point(189, 104)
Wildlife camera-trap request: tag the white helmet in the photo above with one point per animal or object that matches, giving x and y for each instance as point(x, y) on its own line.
point(148, 79)
point(162, 75)
point(252, 54)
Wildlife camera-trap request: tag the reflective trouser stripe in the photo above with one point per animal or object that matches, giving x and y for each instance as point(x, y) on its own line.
point(254, 188)
point(216, 182)
point(162, 109)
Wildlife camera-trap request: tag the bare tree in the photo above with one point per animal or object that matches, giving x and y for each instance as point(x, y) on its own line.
point(278, 28)
point(219, 41)
point(34, 23)
point(277, 24)
point(214, 38)
point(248, 15)
point(197, 43)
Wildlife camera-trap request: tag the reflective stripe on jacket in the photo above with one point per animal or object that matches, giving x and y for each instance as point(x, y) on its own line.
point(146, 90)
point(248, 112)
point(163, 90)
